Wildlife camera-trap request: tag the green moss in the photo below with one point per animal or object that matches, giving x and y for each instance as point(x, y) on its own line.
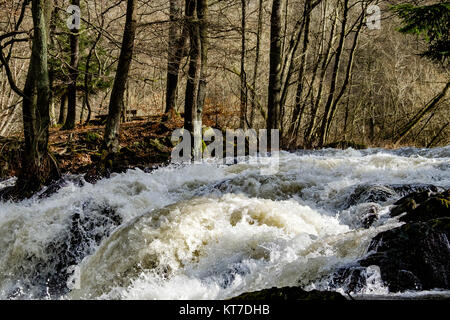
point(92, 137)
point(158, 145)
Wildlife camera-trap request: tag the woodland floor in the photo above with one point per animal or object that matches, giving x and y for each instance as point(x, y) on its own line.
point(144, 144)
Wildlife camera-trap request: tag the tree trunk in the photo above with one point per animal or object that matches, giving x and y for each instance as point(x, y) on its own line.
point(88, 78)
point(36, 161)
point(255, 69)
point(243, 78)
point(177, 43)
point(334, 77)
point(348, 73)
point(202, 15)
point(274, 95)
point(73, 75)
point(197, 19)
point(298, 112)
point(309, 136)
point(116, 103)
point(193, 76)
point(62, 109)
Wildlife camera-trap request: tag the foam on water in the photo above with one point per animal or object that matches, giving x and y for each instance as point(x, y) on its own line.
point(210, 231)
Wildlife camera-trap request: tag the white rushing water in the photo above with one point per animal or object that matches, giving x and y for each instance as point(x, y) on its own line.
point(208, 231)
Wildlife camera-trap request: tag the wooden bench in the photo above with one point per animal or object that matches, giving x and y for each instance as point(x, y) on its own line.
point(101, 117)
point(132, 113)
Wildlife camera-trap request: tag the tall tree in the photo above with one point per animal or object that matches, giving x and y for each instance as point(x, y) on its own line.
point(62, 109)
point(274, 95)
point(202, 15)
point(334, 77)
point(116, 103)
point(73, 75)
point(37, 163)
point(177, 43)
point(196, 16)
point(257, 58)
point(298, 110)
point(243, 116)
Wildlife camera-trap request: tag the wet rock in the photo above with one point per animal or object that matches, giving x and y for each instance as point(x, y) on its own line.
point(352, 279)
point(405, 206)
point(423, 206)
point(418, 197)
point(383, 193)
point(87, 229)
point(361, 216)
point(7, 193)
point(370, 193)
point(416, 188)
point(369, 214)
point(290, 293)
point(51, 189)
point(415, 256)
point(369, 220)
point(435, 207)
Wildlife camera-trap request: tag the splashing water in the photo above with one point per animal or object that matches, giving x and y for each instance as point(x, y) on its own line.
point(208, 231)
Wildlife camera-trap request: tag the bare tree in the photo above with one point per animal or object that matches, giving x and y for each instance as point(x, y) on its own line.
point(73, 75)
point(116, 104)
point(274, 92)
point(176, 48)
point(196, 15)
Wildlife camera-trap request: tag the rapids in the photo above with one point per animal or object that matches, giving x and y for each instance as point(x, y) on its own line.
point(209, 231)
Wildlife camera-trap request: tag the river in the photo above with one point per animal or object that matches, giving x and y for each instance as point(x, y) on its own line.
point(210, 231)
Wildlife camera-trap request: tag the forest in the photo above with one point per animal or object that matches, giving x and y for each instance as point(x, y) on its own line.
point(334, 117)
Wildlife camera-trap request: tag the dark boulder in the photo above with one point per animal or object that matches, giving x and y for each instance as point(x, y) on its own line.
point(350, 279)
point(7, 193)
point(56, 185)
point(370, 193)
point(370, 214)
point(423, 206)
point(414, 188)
point(418, 197)
point(433, 208)
point(290, 293)
point(415, 256)
point(86, 228)
point(406, 205)
point(381, 193)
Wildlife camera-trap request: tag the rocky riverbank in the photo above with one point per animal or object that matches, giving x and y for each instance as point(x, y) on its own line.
point(414, 256)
